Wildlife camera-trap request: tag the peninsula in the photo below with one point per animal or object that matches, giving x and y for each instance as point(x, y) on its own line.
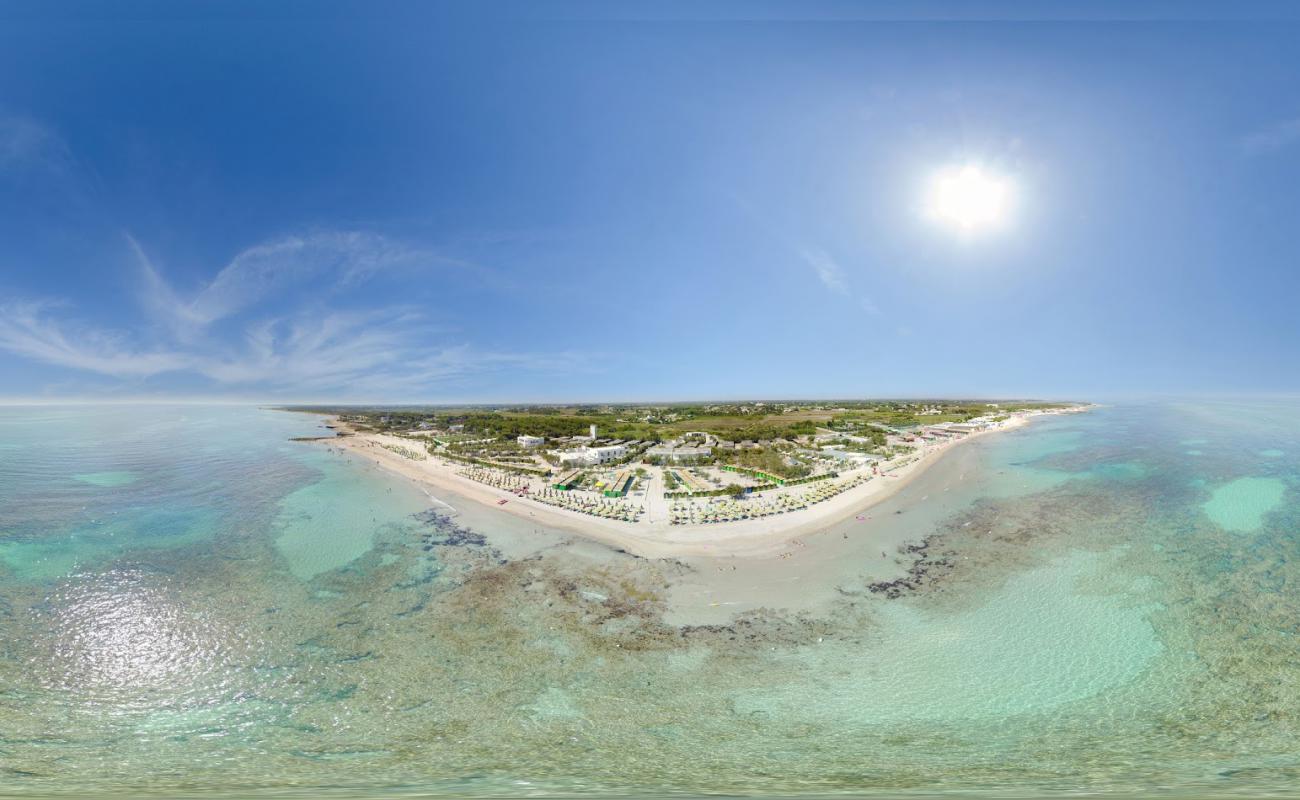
point(676, 480)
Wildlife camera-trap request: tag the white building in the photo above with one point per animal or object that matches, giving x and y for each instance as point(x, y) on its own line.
point(669, 452)
point(850, 457)
point(603, 455)
point(530, 441)
point(591, 455)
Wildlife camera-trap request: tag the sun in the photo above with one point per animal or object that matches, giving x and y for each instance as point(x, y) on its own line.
point(969, 199)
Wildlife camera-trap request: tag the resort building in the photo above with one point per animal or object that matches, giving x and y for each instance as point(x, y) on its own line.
point(676, 454)
point(590, 437)
point(603, 455)
point(530, 441)
point(591, 455)
point(851, 457)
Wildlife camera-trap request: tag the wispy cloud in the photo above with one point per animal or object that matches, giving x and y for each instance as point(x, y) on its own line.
point(333, 259)
point(833, 277)
point(310, 312)
point(827, 270)
point(26, 142)
point(1273, 138)
point(385, 352)
point(31, 330)
point(392, 351)
point(312, 350)
point(304, 346)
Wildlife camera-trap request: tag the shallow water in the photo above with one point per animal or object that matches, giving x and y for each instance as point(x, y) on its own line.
point(191, 603)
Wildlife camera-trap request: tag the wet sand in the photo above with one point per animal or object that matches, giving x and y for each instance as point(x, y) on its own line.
point(803, 568)
point(841, 559)
point(768, 537)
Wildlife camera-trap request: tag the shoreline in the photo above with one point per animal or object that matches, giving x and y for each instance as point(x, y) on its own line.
point(767, 537)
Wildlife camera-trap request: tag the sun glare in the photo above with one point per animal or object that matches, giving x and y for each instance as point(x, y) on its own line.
point(970, 199)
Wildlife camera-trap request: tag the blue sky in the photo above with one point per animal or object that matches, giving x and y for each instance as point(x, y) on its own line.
point(443, 203)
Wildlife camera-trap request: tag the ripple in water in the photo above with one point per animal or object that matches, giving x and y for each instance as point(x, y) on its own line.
point(218, 624)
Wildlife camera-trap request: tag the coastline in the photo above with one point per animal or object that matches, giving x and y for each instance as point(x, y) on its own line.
point(764, 538)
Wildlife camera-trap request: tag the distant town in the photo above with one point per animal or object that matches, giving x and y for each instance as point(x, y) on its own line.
point(670, 465)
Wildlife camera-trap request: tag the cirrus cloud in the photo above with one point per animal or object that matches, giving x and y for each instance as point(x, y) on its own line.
point(305, 343)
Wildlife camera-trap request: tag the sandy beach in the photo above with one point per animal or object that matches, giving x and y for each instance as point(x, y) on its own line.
point(768, 537)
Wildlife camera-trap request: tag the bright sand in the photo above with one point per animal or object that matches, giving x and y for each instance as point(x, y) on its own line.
point(752, 538)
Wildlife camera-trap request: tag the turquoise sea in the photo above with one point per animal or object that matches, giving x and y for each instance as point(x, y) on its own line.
point(193, 604)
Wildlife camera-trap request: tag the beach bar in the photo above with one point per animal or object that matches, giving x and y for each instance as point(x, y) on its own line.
point(566, 481)
point(620, 485)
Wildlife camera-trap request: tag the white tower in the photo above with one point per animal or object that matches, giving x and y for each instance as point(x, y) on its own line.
point(593, 433)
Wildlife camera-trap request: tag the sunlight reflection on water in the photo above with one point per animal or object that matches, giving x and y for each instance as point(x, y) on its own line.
point(1097, 629)
point(123, 640)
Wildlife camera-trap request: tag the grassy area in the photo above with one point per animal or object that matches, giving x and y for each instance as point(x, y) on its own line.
point(730, 421)
point(740, 428)
point(767, 460)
